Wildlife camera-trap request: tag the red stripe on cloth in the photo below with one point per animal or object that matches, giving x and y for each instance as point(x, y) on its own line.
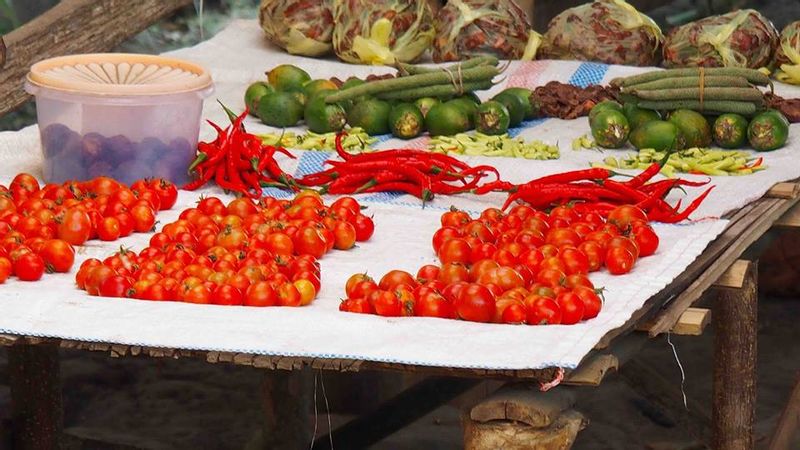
point(420, 143)
point(527, 74)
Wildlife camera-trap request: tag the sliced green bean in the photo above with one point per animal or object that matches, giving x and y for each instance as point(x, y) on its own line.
point(713, 93)
point(438, 90)
point(721, 106)
point(480, 73)
point(688, 82)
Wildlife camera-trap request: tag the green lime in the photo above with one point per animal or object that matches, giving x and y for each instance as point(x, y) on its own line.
point(254, 93)
point(693, 126)
point(280, 109)
point(602, 106)
point(610, 129)
point(446, 119)
point(406, 120)
point(372, 115)
point(467, 105)
point(425, 104)
point(638, 116)
point(730, 131)
point(287, 77)
point(768, 131)
point(531, 111)
point(315, 86)
point(492, 118)
point(322, 117)
point(659, 135)
point(514, 104)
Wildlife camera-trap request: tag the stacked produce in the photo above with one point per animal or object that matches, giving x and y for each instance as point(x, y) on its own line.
point(301, 27)
point(238, 162)
point(609, 31)
point(699, 161)
point(440, 100)
point(787, 56)
point(742, 38)
point(39, 226)
point(593, 190)
point(381, 31)
point(416, 172)
point(244, 253)
point(526, 266)
point(470, 28)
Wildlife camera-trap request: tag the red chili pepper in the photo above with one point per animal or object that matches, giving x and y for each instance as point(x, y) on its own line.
point(409, 188)
point(689, 209)
point(646, 175)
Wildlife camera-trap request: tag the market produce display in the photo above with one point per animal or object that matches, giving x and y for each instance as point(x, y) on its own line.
point(742, 38)
point(526, 266)
point(701, 161)
point(609, 31)
point(381, 31)
point(787, 55)
point(416, 172)
point(39, 225)
point(567, 101)
point(468, 28)
point(242, 253)
point(355, 140)
point(301, 27)
point(479, 144)
point(71, 156)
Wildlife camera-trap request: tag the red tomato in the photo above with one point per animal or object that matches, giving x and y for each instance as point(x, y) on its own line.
point(514, 314)
point(116, 286)
point(646, 239)
point(595, 254)
point(565, 213)
point(550, 277)
point(143, 218)
point(357, 305)
point(481, 250)
point(309, 241)
point(5, 269)
point(364, 227)
point(227, 295)
point(479, 230)
point(591, 301)
point(29, 267)
point(432, 304)
point(481, 270)
point(455, 218)
point(26, 182)
point(363, 289)
point(619, 260)
point(58, 256)
point(385, 303)
point(348, 203)
point(443, 235)
point(626, 243)
point(575, 261)
point(542, 311)
point(75, 227)
point(166, 191)
point(475, 303)
point(428, 273)
point(507, 278)
point(344, 236)
point(563, 236)
point(453, 273)
point(622, 216)
point(198, 294)
point(576, 280)
point(571, 308)
point(395, 278)
point(455, 251)
point(503, 303)
point(306, 289)
point(288, 295)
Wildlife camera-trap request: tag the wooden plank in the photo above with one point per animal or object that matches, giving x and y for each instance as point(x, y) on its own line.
point(734, 276)
point(36, 409)
point(791, 219)
point(525, 403)
point(787, 190)
point(73, 26)
point(734, 372)
point(692, 322)
point(789, 422)
point(770, 211)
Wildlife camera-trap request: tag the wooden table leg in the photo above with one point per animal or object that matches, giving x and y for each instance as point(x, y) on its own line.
point(286, 397)
point(36, 409)
point(734, 391)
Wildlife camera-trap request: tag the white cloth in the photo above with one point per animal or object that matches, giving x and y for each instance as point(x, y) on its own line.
point(54, 307)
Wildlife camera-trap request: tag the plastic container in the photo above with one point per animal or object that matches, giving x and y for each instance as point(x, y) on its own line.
point(124, 116)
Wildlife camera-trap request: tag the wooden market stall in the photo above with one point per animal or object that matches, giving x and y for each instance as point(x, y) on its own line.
point(535, 408)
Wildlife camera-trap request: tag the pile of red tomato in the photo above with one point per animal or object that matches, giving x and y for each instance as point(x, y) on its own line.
point(245, 253)
point(39, 225)
point(526, 266)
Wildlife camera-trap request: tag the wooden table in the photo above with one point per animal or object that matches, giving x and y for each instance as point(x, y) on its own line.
point(526, 410)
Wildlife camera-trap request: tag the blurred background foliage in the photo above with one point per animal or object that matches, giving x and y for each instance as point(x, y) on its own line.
point(201, 21)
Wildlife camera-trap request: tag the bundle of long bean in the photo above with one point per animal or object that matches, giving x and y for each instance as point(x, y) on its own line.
point(420, 82)
point(593, 190)
point(238, 161)
point(420, 173)
point(712, 89)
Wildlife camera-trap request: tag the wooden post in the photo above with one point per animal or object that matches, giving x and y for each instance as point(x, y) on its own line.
point(36, 410)
point(286, 397)
point(734, 391)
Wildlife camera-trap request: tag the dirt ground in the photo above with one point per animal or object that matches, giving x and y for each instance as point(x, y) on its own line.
point(161, 404)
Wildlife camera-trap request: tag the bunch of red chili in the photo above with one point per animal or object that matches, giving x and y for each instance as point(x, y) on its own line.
point(238, 161)
point(594, 190)
point(416, 172)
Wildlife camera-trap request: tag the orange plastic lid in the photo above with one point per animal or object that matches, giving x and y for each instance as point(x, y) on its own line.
point(119, 74)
